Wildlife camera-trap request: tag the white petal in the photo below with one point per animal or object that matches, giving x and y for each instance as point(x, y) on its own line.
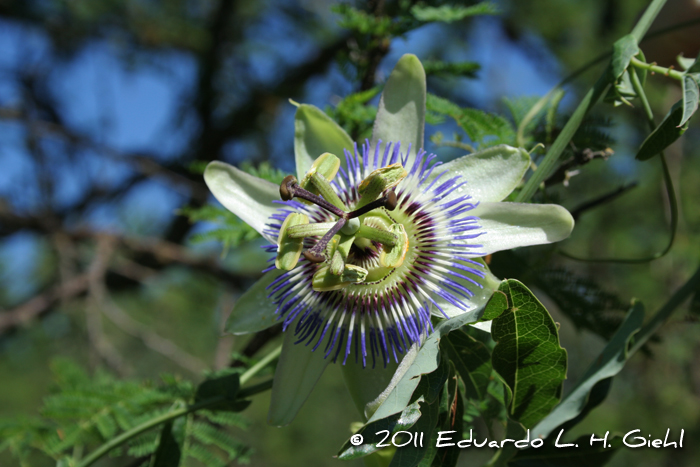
point(297, 372)
point(401, 112)
point(512, 225)
point(491, 174)
point(248, 197)
point(254, 311)
point(489, 283)
point(484, 325)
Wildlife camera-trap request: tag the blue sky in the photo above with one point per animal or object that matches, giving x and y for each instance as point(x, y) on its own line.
point(136, 108)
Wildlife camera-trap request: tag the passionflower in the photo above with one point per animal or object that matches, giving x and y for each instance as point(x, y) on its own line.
point(370, 240)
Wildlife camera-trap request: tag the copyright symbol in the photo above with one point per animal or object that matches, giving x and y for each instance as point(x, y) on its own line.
point(356, 440)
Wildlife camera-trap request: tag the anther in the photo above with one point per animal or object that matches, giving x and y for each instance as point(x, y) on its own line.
point(286, 192)
point(390, 200)
point(313, 257)
point(289, 188)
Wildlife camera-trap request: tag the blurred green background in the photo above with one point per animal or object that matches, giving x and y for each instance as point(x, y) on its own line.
point(107, 109)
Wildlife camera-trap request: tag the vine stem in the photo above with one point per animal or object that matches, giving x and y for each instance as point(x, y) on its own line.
point(100, 452)
point(668, 183)
point(589, 100)
point(661, 316)
point(253, 370)
point(670, 72)
point(532, 113)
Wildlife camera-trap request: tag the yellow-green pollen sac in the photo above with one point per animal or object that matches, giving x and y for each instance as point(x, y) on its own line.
point(366, 231)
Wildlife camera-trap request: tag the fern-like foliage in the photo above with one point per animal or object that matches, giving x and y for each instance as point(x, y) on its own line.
point(450, 13)
point(83, 412)
point(461, 69)
point(483, 129)
point(593, 134)
point(354, 114)
point(587, 304)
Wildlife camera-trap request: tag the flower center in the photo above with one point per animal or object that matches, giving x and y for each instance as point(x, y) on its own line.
point(363, 246)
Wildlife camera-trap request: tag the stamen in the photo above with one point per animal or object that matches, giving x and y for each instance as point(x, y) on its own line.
point(289, 188)
point(309, 230)
point(378, 235)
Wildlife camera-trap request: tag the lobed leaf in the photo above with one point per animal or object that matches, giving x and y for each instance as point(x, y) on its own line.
point(472, 361)
point(528, 355)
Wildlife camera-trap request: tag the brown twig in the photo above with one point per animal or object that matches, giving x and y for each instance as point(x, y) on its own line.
point(42, 303)
point(104, 349)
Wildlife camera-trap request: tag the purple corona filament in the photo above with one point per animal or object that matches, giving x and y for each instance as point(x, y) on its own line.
point(381, 318)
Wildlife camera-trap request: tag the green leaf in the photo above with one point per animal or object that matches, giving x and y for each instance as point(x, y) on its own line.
point(483, 128)
point(451, 419)
point(316, 133)
point(224, 387)
point(496, 305)
point(472, 360)
point(582, 300)
point(401, 112)
point(623, 50)
point(215, 436)
point(685, 62)
point(694, 66)
point(450, 13)
point(691, 95)
point(232, 233)
point(582, 455)
point(439, 68)
point(411, 455)
point(607, 364)
point(355, 114)
point(169, 451)
point(668, 131)
point(428, 390)
point(528, 355)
